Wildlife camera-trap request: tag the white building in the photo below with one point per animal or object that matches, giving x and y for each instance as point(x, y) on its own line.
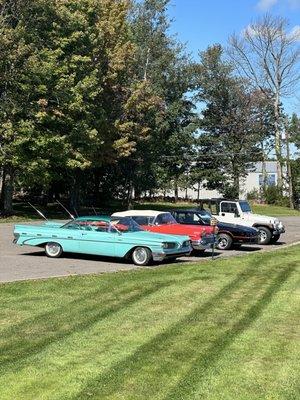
point(253, 181)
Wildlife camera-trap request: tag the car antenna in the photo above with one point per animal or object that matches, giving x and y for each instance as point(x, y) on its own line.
point(38, 211)
point(76, 212)
point(71, 215)
point(94, 210)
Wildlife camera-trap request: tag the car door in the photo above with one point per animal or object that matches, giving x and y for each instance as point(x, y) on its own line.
point(228, 211)
point(98, 240)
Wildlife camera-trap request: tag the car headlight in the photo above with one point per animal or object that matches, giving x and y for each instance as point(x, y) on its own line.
point(168, 245)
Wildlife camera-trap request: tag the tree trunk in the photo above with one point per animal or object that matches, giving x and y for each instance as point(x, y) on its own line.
point(7, 189)
point(176, 189)
point(75, 191)
point(289, 170)
point(236, 183)
point(278, 151)
point(264, 169)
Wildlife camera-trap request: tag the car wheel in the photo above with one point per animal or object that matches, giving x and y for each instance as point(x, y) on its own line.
point(224, 241)
point(141, 256)
point(53, 250)
point(275, 238)
point(264, 235)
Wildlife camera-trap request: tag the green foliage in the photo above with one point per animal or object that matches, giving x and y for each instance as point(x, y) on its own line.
point(273, 195)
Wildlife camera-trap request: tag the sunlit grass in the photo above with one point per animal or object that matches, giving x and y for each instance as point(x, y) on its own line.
point(222, 329)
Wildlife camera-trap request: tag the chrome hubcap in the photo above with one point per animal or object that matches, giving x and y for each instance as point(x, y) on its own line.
point(222, 243)
point(53, 249)
point(262, 235)
point(140, 255)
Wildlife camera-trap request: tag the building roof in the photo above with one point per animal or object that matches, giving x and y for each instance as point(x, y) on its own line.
point(137, 213)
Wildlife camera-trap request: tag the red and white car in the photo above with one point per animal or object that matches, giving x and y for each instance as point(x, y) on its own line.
point(202, 237)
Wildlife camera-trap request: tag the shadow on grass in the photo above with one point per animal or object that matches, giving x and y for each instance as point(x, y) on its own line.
point(155, 354)
point(191, 379)
point(33, 335)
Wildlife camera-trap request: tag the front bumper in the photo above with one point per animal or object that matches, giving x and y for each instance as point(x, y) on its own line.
point(247, 239)
point(204, 243)
point(279, 231)
point(160, 256)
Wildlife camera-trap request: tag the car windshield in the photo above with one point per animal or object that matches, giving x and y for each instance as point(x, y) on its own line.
point(205, 215)
point(125, 224)
point(245, 206)
point(165, 219)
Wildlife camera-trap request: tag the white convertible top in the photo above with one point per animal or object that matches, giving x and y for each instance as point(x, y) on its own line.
point(137, 213)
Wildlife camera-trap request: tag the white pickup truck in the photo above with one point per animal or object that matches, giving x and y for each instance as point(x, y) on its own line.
point(239, 212)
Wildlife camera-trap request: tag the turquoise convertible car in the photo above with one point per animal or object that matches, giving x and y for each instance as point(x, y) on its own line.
point(116, 237)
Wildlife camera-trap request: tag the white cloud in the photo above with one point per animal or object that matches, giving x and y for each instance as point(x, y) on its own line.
point(266, 5)
point(295, 32)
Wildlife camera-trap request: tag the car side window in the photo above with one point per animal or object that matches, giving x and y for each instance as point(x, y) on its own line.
point(181, 218)
point(72, 225)
point(141, 220)
point(229, 208)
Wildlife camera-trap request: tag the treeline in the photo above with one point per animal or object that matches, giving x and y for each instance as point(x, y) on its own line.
point(98, 101)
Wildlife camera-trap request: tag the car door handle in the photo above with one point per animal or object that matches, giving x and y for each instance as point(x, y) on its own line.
point(83, 234)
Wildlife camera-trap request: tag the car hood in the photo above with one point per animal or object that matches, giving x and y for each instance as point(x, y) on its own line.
point(260, 218)
point(237, 227)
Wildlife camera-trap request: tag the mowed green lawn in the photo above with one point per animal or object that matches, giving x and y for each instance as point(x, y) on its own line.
point(223, 329)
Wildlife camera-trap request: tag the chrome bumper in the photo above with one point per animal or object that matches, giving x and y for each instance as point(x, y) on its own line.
point(204, 243)
point(164, 256)
point(279, 231)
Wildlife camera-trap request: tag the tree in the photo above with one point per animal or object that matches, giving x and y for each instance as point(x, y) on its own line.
point(67, 95)
point(268, 56)
point(233, 123)
point(162, 62)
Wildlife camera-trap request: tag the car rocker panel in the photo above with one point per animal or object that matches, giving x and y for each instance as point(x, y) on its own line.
point(201, 237)
point(100, 236)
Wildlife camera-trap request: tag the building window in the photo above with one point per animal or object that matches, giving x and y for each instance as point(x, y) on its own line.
point(271, 180)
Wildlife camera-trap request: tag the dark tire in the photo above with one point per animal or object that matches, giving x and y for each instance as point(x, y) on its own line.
point(53, 250)
point(141, 256)
point(264, 236)
point(224, 241)
point(275, 238)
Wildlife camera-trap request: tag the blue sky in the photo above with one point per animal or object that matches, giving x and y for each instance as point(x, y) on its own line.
point(200, 23)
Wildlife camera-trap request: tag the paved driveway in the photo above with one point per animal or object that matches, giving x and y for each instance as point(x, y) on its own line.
point(19, 263)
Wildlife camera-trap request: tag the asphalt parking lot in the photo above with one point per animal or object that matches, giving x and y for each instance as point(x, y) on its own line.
point(20, 263)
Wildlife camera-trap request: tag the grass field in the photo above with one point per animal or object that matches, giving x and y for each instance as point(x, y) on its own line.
point(223, 329)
